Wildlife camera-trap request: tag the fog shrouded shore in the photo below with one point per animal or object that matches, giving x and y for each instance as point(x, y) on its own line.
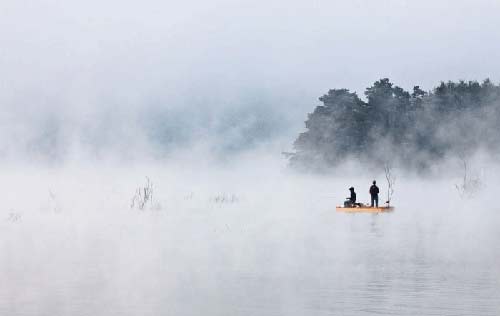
point(418, 130)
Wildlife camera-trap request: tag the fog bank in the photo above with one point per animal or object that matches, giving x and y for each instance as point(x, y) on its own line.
point(241, 240)
point(118, 78)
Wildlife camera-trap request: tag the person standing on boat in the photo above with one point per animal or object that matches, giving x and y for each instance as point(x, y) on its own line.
point(374, 193)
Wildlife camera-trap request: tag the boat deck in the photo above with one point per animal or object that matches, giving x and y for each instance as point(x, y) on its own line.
point(365, 209)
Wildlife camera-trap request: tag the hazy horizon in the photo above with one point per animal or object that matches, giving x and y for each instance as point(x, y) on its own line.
point(118, 78)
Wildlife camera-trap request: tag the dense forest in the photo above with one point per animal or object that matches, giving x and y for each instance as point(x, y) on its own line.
point(412, 129)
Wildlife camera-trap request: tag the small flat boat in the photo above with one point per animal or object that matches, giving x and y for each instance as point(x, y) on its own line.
point(365, 209)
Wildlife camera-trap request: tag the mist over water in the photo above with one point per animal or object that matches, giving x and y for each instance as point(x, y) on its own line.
point(201, 99)
point(247, 238)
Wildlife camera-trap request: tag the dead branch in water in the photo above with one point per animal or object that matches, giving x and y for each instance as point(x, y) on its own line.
point(470, 184)
point(391, 181)
point(143, 195)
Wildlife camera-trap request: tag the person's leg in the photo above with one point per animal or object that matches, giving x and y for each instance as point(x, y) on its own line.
point(372, 200)
point(376, 200)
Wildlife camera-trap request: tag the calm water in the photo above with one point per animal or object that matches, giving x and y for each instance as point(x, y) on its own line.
point(245, 258)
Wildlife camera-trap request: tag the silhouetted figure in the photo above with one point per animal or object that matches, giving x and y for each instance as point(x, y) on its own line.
point(351, 201)
point(374, 193)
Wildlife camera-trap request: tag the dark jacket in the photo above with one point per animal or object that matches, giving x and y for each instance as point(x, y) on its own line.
point(374, 190)
point(353, 196)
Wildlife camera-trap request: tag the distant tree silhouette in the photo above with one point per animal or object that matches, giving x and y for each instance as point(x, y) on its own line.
point(335, 129)
point(415, 128)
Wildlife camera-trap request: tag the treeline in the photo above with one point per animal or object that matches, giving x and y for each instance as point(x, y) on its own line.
point(413, 129)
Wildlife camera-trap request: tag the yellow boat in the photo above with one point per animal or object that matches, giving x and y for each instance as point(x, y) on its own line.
point(365, 209)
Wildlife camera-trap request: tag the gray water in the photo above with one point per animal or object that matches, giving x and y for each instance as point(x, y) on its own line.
point(276, 250)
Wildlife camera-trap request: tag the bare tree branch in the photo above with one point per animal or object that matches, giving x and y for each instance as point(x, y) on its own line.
point(391, 181)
